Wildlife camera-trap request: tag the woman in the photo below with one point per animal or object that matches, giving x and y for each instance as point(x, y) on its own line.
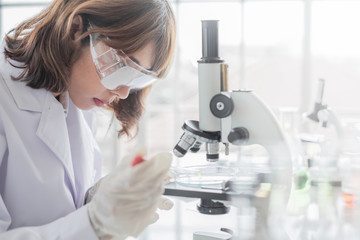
point(72, 57)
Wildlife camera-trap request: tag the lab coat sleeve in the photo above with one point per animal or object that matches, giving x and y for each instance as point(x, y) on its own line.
point(75, 225)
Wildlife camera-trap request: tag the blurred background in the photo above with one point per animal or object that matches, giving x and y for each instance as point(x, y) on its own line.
point(278, 48)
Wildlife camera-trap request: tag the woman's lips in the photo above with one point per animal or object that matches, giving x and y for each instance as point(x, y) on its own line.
point(99, 102)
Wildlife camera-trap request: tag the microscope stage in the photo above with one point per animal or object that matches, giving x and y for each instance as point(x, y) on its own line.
point(178, 190)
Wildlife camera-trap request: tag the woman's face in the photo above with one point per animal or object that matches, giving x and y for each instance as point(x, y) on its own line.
point(86, 90)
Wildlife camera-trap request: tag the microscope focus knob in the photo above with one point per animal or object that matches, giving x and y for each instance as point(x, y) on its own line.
point(221, 106)
point(238, 136)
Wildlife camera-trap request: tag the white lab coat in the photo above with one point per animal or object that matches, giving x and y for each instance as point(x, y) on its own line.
point(48, 160)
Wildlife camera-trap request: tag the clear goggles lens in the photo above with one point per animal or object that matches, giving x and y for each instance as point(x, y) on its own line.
point(116, 69)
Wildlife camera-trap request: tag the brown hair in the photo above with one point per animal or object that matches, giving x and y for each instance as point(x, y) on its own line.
point(44, 47)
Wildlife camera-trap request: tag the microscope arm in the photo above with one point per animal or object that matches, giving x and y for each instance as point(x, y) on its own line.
point(264, 129)
point(327, 117)
point(253, 114)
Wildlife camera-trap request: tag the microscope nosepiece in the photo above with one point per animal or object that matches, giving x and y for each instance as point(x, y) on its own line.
point(212, 152)
point(196, 147)
point(179, 151)
point(186, 141)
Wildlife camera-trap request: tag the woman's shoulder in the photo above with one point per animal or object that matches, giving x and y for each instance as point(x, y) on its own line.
point(6, 71)
point(17, 91)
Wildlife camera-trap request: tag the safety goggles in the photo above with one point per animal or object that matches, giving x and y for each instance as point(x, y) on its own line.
point(116, 69)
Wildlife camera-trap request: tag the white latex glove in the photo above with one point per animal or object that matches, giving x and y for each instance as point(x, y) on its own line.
point(126, 200)
point(163, 204)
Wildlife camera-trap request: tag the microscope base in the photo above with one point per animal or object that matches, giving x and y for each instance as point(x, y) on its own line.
point(208, 206)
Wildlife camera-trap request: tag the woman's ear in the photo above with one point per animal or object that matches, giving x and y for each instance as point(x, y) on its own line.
point(76, 28)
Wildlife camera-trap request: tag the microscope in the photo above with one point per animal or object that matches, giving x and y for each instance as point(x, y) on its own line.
point(322, 137)
point(239, 118)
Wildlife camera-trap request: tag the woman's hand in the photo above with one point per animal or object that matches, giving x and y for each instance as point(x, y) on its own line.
point(127, 199)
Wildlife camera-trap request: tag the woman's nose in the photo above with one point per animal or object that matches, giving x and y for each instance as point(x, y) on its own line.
point(122, 91)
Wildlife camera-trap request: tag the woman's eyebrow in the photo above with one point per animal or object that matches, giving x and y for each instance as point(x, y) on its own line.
point(138, 63)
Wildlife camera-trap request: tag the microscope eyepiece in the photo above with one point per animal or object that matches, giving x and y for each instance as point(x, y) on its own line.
point(210, 42)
